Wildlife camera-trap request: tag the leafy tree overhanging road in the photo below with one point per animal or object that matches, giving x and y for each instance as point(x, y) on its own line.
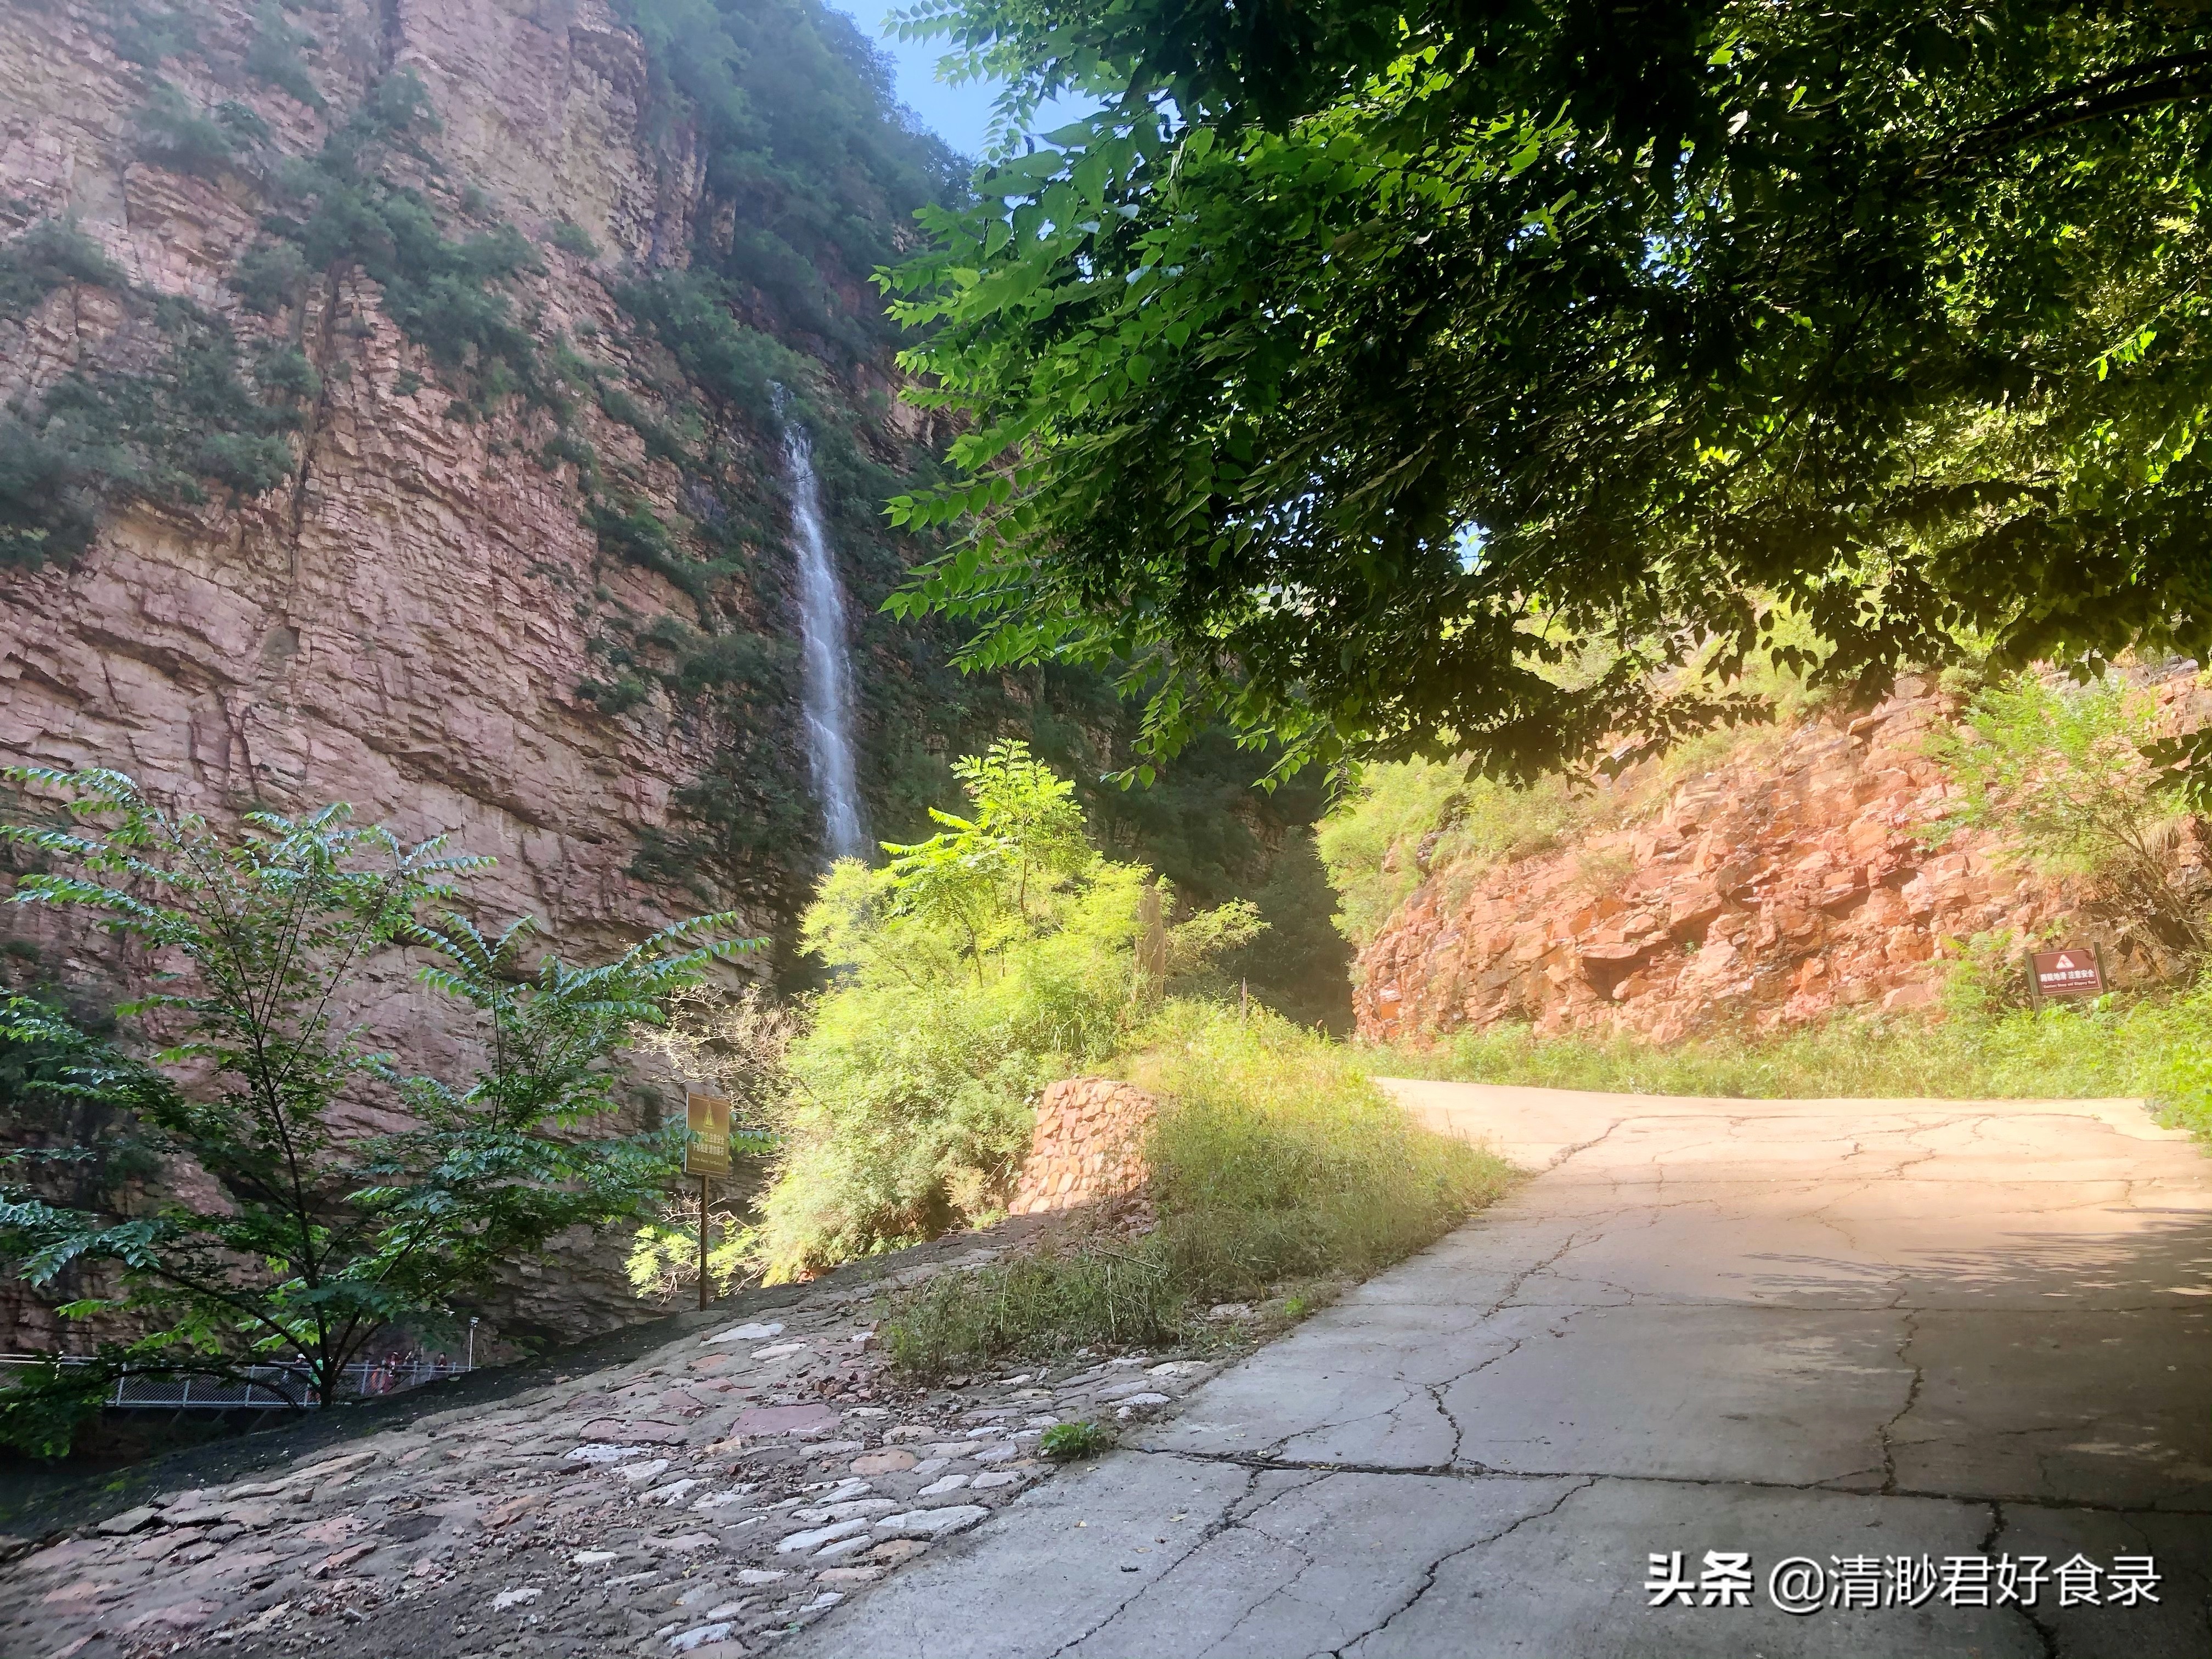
point(1422, 379)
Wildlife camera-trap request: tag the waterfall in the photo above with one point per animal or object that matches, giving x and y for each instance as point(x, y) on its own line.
point(827, 665)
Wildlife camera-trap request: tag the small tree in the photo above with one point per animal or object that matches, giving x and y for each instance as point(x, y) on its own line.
point(2060, 773)
point(986, 877)
point(970, 972)
point(300, 1242)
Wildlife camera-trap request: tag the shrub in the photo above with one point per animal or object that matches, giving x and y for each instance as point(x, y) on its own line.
point(281, 1236)
point(975, 968)
point(49, 254)
point(689, 312)
point(268, 276)
point(286, 371)
point(243, 461)
point(98, 434)
point(572, 238)
point(274, 56)
point(445, 296)
point(915, 1108)
point(149, 38)
point(174, 134)
point(2059, 771)
point(1404, 818)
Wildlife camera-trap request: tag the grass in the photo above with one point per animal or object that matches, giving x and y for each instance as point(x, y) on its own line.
point(1065, 1443)
point(1275, 1161)
point(2159, 1047)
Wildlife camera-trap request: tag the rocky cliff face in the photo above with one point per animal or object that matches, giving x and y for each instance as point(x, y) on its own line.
point(1775, 890)
point(396, 622)
point(333, 466)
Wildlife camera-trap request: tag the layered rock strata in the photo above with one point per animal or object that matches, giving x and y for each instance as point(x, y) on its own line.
point(1776, 890)
point(399, 627)
point(404, 624)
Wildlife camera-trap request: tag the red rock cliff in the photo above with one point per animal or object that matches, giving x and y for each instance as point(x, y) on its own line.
point(397, 628)
point(1774, 890)
point(408, 621)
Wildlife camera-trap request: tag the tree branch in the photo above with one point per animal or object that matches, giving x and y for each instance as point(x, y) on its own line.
point(2137, 87)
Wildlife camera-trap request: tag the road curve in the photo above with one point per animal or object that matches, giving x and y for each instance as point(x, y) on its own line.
point(1891, 1338)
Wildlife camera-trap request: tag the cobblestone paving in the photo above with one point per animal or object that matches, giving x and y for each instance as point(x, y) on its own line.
point(705, 1499)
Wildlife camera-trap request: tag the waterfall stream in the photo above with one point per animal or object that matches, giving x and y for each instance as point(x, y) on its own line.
point(827, 664)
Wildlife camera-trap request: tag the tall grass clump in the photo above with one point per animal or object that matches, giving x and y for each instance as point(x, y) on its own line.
point(1275, 1156)
point(1273, 1159)
point(1401, 819)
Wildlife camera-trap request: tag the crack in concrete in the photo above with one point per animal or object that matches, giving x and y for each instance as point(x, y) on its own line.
point(2044, 1633)
point(1435, 1390)
point(1257, 1460)
point(1429, 1573)
point(1305, 1566)
point(1905, 1340)
point(1211, 1530)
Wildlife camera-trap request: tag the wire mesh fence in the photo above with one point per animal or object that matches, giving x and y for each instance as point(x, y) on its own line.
point(250, 1387)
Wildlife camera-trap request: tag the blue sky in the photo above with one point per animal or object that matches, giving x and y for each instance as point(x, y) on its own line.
point(959, 115)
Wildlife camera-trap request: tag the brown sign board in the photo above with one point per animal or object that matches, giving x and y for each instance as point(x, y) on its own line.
point(2072, 972)
point(707, 1149)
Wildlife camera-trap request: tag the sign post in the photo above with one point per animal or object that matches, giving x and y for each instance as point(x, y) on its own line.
point(706, 1152)
point(2077, 970)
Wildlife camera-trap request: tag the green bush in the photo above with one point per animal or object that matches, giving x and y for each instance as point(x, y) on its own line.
point(274, 56)
point(975, 968)
point(572, 238)
point(268, 277)
point(445, 296)
point(173, 133)
point(286, 371)
point(2059, 770)
point(49, 254)
point(1404, 818)
point(151, 38)
point(163, 432)
point(689, 312)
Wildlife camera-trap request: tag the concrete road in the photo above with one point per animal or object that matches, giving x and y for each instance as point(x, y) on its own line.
point(1858, 1333)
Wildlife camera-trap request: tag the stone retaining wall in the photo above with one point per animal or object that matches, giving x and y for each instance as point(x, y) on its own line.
point(1089, 1144)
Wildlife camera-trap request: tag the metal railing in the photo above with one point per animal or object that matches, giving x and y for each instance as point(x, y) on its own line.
point(256, 1386)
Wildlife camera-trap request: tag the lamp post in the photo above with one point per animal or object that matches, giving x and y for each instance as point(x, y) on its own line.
point(472, 1363)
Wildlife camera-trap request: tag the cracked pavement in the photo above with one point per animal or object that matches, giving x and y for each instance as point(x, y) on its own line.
point(1792, 1327)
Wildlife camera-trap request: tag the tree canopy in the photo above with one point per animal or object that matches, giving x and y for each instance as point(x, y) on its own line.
point(1498, 378)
